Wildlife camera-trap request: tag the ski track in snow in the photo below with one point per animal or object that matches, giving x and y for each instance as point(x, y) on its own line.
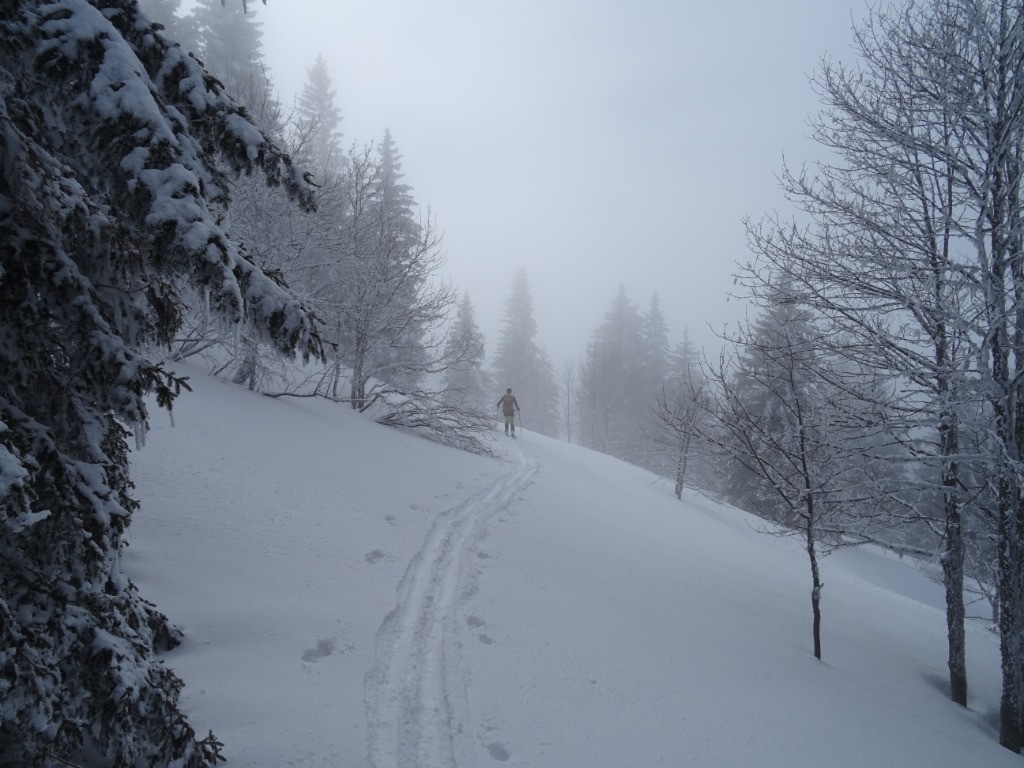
point(409, 712)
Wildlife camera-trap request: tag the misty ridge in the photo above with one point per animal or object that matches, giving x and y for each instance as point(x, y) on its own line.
point(162, 207)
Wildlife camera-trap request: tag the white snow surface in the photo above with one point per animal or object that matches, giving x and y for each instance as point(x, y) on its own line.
point(355, 595)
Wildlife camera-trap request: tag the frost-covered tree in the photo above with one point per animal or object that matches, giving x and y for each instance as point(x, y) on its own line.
point(616, 402)
point(683, 360)
point(113, 141)
point(318, 121)
point(522, 364)
point(654, 348)
point(741, 481)
point(678, 412)
point(391, 302)
point(979, 80)
point(650, 382)
point(464, 380)
point(276, 235)
point(229, 40)
point(772, 411)
point(915, 253)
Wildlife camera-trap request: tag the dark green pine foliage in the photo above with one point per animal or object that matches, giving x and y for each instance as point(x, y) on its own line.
point(109, 139)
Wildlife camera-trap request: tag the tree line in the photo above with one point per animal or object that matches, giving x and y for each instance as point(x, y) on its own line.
point(157, 203)
point(899, 313)
point(400, 342)
point(877, 395)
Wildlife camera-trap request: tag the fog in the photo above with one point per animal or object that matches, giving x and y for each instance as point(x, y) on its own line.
point(595, 144)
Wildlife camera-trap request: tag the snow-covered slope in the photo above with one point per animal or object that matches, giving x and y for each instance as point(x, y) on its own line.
point(357, 596)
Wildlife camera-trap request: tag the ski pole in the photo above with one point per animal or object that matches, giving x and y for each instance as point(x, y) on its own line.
point(519, 416)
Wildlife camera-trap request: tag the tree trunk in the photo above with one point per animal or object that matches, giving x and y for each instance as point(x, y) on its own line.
point(815, 594)
point(953, 578)
point(684, 450)
point(336, 374)
point(953, 556)
point(246, 372)
point(336, 379)
point(1009, 632)
point(358, 394)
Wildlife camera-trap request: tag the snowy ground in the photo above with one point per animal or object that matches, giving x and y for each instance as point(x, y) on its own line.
point(357, 596)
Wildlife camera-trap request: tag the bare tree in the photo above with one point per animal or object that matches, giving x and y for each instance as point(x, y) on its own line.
point(772, 411)
point(678, 410)
point(915, 253)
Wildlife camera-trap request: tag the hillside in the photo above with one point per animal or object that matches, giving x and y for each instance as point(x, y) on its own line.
point(357, 596)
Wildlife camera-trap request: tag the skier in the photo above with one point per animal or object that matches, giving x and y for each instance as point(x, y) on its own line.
point(509, 406)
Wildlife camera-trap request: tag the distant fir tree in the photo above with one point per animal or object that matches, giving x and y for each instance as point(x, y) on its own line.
point(684, 358)
point(520, 363)
point(616, 404)
point(654, 347)
point(229, 40)
point(764, 383)
point(681, 418)
point(465, 383)
point(107, 189)
point(318, 122)
point(651, 378)
point(176, 26)
point(543, 392)
point(394, 196)
point(776, 409)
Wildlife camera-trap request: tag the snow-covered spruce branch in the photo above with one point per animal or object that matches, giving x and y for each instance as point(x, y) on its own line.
point(111, 194)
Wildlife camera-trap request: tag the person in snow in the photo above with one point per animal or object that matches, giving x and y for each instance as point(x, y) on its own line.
point(509, 406)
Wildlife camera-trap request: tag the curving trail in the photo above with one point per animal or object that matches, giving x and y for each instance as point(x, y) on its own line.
point(409, 710)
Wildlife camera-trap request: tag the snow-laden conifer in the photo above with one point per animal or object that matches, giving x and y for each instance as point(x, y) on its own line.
point(107, 176)
point(319, 119)
point(464, 381)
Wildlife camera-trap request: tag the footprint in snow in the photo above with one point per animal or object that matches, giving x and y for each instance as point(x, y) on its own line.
point(475, 622)
point(374, 556)
point(499, 751)
point(485, 639)
point(324, 647)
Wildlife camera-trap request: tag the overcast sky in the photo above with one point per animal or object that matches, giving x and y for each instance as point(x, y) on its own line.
point(594, 143)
